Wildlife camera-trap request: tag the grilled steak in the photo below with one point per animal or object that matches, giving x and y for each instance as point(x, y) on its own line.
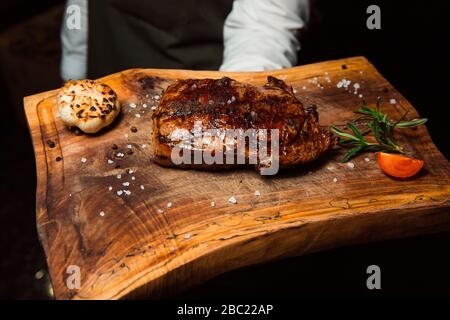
point(190, 106)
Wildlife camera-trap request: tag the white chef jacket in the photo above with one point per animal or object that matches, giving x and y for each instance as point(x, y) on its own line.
point(258, 35)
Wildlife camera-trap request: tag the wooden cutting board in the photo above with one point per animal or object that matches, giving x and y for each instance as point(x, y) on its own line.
point(134, 245)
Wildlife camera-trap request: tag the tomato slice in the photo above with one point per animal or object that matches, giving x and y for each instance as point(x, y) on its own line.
point(399, 166)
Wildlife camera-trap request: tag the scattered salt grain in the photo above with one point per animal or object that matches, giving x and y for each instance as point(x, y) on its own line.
point(153, 107)
point(127, 192)
point(351, 165)
point(169, 205)
point(257, 193)
point(393, 101)
point(129, 146)
point(142, 187)
point(156, 97)
point(232, 200)
point(160, 211)
point(133, 105)
point(126, 184)
point(344, 83)
point(366, 159)
point(120, 154)
point(144, 105)
point(110, 188)
point(119, 193)
point(187, 236)
point(330, 168)
point(110, 161)
point(133, 178)
point(39, 275)
point(213, 204)
point(130, 171)
point(83, 160)
point(144, 146)
point(102, 213)
point(335, 180)
point(304, 87)
point(356, 86)
point(119, 176)
point(137, 115)
point(360, 95)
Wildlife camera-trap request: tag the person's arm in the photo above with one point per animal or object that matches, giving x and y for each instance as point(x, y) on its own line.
point(262, 34)
point(74, 41)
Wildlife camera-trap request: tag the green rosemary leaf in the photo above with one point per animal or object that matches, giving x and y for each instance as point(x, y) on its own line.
point(343, 133)
point(356, 132)
point(409, 124)
point(351, 153)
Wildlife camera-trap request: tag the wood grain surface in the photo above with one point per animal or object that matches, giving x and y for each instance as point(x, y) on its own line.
point(135, 246)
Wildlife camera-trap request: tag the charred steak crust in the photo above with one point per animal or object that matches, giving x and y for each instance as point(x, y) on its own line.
point(228, 104)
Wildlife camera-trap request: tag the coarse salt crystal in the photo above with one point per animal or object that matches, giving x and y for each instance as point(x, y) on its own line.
point(360, 95)
point(110, 161)
point(133, 105)
point(129, 146)
point(120, 154)
point(142, 187)
point(257, 193)
point(213, 204)
point(83, 160)
point(119, 193)
point(232, 200)
point(127, 192)
point(160, 211)
point(393, 101)
point(156, 97)
point(144, 105)
point(366, 159)
point(137, 115)
point(169, 205)
point(356, 85)
point(351, 165)
point(153, 107)
point(119, 176)
point(330, 168)
point(144, 146)
point(125, 184)
point(133, 178)
point(335, 180)
point(110, 188)
point(130, 171)
point(187, 236)
point(102, 213)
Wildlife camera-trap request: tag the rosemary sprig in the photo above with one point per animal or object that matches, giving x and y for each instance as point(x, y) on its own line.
point(376, 122)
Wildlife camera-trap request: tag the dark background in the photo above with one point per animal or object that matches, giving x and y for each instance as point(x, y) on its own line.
point(410, 51)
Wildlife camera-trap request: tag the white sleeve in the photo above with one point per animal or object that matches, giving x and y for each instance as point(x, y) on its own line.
point(74, 40)
point(262, 34)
